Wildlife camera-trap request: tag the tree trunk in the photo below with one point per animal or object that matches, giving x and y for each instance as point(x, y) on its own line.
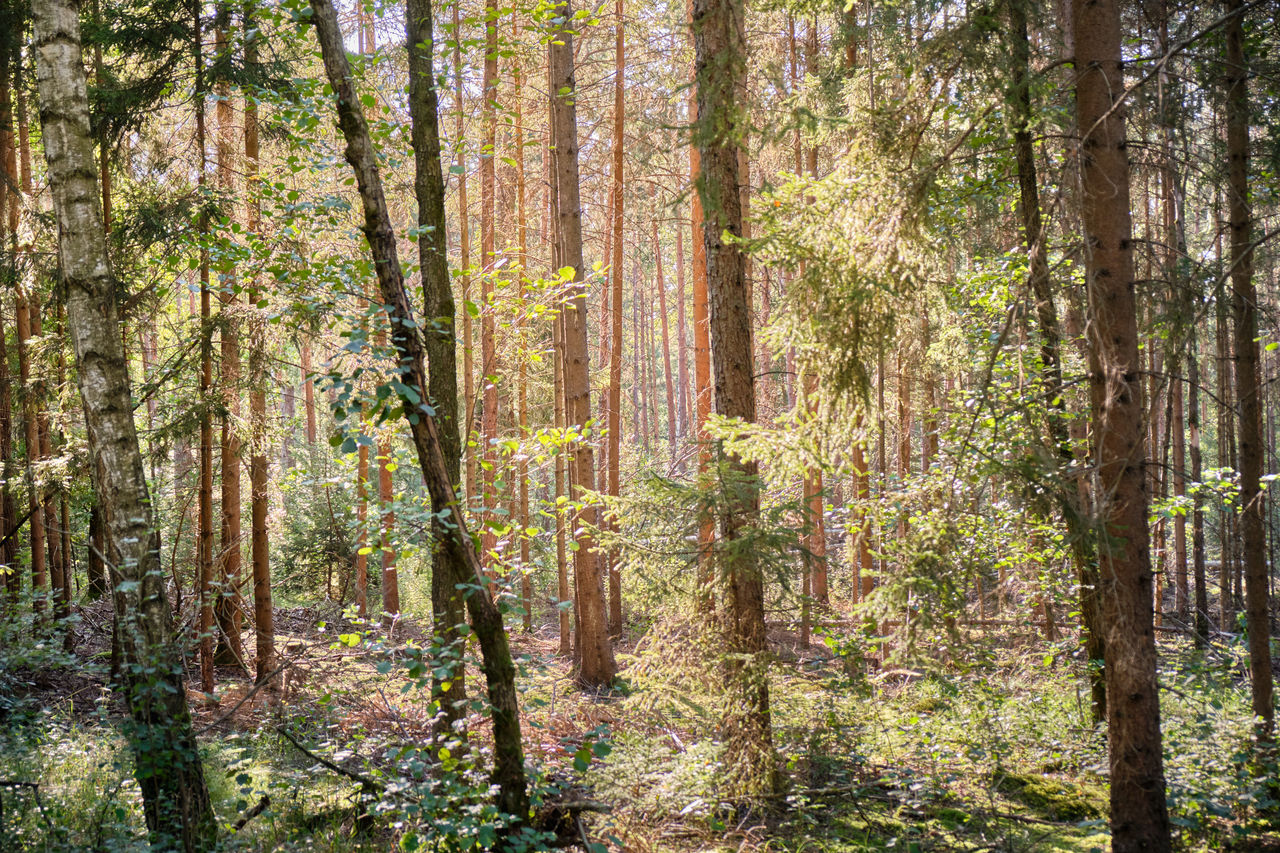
point(597, 667)
point(1035, 239)
point(720, 50)
point(488, 258)
point(1197, 511)
point(615, 279)
point(263, 614)
point(167, 763)
point(30, 420)
point(230, 649)
point(204, 557)
point(683, 406)
point(666, 341)
point(464, 425)
point(522, 400)
point(440, 343)
point(1139, 818)
point(1244, 304)
point(413, 390)
point(701, 344)
point(308, 389)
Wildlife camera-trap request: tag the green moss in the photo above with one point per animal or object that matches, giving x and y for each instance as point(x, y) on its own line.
point(1058, 800)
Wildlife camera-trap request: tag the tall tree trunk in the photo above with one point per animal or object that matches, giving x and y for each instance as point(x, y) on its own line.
point(564, 596)
point(701, 341)
point(230, 649)
point(308, 388)
point(488, 258)
point(1139, 817)
point(166, 757)
point(440, 343)
point(1035, 239)
point(684, 407)
point(720, 50)
point(414, 392)
point(522, 400)
point(8, 511)
point(30, 420)
point(52, 542)
point(1197, 510)
point(666, 341)
point(464, 248)
point(1244, 304)
point(204, 557)
point(259, 490)
point(597, 667)
point(615, 279)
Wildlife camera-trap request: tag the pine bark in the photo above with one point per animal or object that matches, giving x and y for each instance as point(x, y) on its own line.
point(229, 612)
point(1244, 305)
point(615, 279)
point(488, 322)
point(1139, 817)
point(597, 667)
point(259, 489)
point(720, 51)
point(167, 763)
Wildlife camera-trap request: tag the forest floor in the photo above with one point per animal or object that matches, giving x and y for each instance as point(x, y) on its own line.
point(994, 750)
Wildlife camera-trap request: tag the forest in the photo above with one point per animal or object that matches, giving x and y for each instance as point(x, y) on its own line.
point(682, 426)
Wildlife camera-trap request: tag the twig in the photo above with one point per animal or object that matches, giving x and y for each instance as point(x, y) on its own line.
point(336, 768)
point(246, 697)
point(35, 793)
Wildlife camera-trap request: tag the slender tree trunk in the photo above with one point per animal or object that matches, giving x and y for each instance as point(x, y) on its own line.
point(308, 389)
point(666, 341)
point(597, 667)
point(488, 324)
point(564, 596)
point(701, 345)
point(1197, 511)
point(230, 649)
point(448, 571)
point(166, 757)
point(508, 776)
point(720, 50)
point(204, 557)
point(615, 278)
point(1244, 304)
point(464, 248)
point(362, 529)
point(30, 420)
point(1035, 239)
point(522, 414)
point(8, 511)
point(259, 489)
point(1139, 817)
point(684, 406)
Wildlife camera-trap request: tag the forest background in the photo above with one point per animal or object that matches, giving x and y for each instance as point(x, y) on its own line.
point(794, 427)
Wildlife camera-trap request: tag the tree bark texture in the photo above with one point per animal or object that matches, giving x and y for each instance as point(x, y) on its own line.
point(439, 340)
point(719, 45)
point(167, 763)
point(1139, 817)
point(1244, 306)
point(597, 666)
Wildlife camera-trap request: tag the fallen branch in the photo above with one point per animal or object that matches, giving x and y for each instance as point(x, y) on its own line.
point(258, 809)
point(370, 784)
